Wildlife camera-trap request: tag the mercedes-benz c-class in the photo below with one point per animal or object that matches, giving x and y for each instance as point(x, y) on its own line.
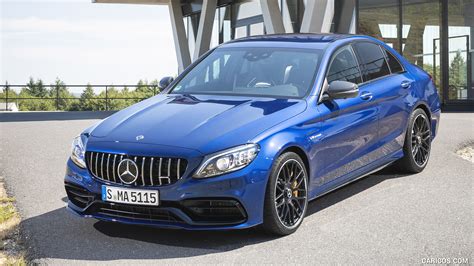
point(254, 130)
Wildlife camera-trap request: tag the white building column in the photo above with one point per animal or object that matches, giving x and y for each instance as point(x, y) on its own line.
point(272, 16)
point(179, 35)
point(206, 23)
point(318, 16)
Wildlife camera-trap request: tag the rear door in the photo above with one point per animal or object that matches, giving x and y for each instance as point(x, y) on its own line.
point(394, 111)
point(388, 84)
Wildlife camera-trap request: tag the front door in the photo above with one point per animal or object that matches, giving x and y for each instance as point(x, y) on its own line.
point(349, 126)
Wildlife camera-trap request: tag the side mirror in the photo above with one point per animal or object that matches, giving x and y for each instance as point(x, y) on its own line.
point(342, 89)
point(164, 82)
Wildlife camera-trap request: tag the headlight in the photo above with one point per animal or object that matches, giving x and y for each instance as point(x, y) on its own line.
point(78, 151)
point(227, 161)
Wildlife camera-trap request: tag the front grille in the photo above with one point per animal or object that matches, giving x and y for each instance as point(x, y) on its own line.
point(118, 211)
point(152, 171)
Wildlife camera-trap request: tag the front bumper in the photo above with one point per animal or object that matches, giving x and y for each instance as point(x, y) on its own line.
point(231, 201)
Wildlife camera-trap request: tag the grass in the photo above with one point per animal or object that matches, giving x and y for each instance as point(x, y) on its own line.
point(15, 261)
point(7, 211)
point(5, 200)
point(10, 254)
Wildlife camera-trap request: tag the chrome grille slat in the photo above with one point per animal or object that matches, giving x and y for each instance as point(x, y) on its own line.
point(102, 166)
point(96, 160)
point(108, 159)
point(151, 171)
point(170, 170)
point(159, 171)
point(90, 162)
point(120, 181)
point(113, 168)
point(135, 160)
point(177, 170)
point(143, 171)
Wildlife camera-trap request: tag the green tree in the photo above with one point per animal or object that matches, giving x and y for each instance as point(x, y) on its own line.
point(154, 86)
point(33, 103)
point(36, 89)
point(145, 89)
point(457, 75)
point(36, 97)
point(62, 95)
point(11, 93)
point(88, 101)
point(8, 91)
point(142, 86)
point(3, 95)
point(126, 93)
point(114, 95)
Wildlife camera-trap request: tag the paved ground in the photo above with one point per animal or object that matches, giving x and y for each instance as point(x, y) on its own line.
point(384, 218)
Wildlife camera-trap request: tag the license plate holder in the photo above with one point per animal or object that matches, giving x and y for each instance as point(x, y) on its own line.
point(132, 196)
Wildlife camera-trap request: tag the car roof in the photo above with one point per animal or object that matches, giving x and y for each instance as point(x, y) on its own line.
point(290, 40)
point(296, 37)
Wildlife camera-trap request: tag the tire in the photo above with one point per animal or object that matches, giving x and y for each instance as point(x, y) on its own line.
point(286, 199)
point(417, 146)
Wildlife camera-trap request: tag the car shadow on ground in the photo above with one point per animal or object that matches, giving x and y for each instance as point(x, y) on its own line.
point(65, 236)
point(352, 189)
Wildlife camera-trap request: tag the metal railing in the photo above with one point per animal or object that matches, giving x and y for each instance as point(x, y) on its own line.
point(101, 99)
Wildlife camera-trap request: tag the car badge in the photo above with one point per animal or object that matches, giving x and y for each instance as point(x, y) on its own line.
point(139, 137)
point(127, 171)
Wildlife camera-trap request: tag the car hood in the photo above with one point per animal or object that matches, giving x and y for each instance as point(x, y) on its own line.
point(201, 122)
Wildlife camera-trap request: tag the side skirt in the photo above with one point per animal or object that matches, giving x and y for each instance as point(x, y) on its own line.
point(352, 180)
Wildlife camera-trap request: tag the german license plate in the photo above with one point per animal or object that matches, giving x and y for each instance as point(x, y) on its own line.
point(130, 195)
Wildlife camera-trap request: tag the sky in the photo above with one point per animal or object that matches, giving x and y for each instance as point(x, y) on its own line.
point(81, 42)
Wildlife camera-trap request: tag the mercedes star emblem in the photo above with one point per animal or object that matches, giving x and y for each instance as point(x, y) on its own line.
point(127, 171)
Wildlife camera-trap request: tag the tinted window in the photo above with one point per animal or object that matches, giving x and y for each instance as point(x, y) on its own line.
point(395, 66)
point(372, 60)
point(266, 71)
point(344, 67)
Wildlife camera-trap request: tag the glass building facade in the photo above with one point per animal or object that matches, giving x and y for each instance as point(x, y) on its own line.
point(433, 34)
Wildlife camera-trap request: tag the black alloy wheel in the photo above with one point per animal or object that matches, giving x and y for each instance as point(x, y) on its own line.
point(290, 193)
point(286, 198)
point(417, 146)
point(420, 140)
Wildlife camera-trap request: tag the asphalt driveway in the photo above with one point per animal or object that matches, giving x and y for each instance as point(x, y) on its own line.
point(383, 218)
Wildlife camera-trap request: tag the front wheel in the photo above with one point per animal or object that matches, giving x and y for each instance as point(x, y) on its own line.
point(417, 145)
point(286, 197)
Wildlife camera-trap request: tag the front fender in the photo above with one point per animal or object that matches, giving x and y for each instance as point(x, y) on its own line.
point(291, 138)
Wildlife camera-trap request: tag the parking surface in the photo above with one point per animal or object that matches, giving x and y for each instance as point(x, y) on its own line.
point(383, 218)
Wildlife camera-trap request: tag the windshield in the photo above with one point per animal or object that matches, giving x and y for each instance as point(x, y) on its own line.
point(277, 72)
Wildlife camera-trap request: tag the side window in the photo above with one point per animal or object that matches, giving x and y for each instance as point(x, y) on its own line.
point(344, 67)
point(395, 66)
point(372, 60)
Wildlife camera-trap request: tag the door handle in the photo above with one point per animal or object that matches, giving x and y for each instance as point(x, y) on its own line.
point(406, 84)
point(366, 96)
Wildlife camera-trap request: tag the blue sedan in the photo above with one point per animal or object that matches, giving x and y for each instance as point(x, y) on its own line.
point(253, 131)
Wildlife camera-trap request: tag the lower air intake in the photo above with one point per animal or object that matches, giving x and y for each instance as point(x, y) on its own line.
point(224, 211)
